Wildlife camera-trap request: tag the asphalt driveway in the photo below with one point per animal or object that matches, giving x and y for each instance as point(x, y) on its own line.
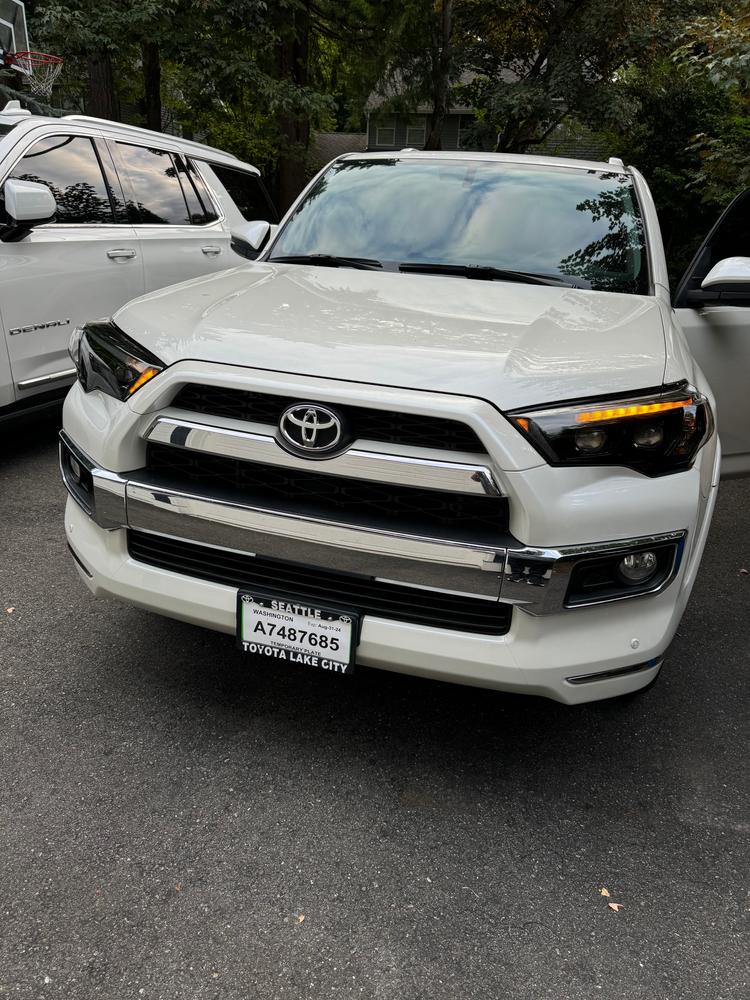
point(178, 824)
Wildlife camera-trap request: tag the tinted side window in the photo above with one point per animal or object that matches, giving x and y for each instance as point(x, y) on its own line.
point(69, 167)
point(155, 194)
point(248, 194)
point(200, 206)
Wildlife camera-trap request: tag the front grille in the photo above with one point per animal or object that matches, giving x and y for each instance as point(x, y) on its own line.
point(368, 595)
point(364, 423)
point(409, 509)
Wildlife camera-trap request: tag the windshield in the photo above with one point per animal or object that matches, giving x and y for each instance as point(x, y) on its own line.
point(539, 220)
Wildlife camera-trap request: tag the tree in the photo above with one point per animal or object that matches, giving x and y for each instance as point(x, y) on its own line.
point(539, 61)
point(418, 59)
point(715, 49)
point(669, 107)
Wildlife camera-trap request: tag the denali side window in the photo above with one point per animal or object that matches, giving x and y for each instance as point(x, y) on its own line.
point(200, 206)
point(152, 186)
point(247, 192)
point(69, 167)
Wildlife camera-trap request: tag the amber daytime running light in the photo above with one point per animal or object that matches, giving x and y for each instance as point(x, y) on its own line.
point(107, 359)
point(655, 434)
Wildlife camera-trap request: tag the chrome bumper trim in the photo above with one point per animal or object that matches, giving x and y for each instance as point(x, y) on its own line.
point(534, 579)
point(606, 675)
point(380, 467)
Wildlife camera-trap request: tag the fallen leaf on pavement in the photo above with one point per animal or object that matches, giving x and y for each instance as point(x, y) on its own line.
point(301, 918)
point(604, 892)
point(615, 906)
point(9, 611)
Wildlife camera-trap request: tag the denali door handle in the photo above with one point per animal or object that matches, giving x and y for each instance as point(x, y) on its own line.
point(211, 251)
point(125, 254)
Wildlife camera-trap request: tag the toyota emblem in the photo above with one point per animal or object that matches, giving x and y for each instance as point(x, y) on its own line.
point(311, 429)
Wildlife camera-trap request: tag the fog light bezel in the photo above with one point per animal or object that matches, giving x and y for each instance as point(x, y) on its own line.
point(585, 590)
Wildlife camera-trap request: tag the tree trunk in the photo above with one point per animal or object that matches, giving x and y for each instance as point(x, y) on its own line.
point(101, 101)
point(152, 84)
point(442, 59)
point(292, 63)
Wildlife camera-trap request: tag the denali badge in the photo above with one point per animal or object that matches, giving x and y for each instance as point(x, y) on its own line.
point(38, 326)
point(311, 429)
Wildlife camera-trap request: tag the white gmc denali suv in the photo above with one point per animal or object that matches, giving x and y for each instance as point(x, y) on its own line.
point(448, 425)
point(94, 213)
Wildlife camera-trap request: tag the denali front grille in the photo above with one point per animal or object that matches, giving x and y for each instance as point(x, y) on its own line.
point(370, 596)
point(370, 424)
point(410, 509)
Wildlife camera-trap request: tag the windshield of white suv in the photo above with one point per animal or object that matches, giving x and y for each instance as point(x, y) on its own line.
point(473, 218)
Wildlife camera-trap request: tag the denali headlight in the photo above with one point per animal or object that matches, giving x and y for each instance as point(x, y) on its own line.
point(654, 433)
point(107, 359)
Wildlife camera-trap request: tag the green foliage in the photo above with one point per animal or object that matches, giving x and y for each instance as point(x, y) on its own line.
point(537, 62)
point(716, 48)
point(669, 109)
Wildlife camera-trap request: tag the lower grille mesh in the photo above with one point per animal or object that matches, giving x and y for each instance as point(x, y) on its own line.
point(372, 597)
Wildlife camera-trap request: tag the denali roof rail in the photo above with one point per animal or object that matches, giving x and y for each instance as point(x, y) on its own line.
point(197, 147)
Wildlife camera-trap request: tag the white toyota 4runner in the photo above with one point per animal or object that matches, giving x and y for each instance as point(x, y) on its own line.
point(449, 425)
point(93, 214)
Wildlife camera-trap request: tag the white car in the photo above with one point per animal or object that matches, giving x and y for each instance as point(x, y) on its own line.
point(94, 213)
point(448, 425)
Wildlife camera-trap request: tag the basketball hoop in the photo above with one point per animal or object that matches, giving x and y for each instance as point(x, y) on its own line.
point(41, 69)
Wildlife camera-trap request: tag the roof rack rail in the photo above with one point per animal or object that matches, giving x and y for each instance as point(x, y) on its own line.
point(137, 130)
point(615, 161)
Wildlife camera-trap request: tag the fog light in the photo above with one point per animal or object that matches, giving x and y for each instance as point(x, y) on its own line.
point(590, 440)
point(75, 468)
point(637, 568)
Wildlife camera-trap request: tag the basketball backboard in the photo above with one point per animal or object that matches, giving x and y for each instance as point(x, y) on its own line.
point(14, 36)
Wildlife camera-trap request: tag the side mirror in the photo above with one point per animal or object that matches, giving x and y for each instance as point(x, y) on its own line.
point(250, 239)
point(27, 205)
point(256, 234)
point(730, 275)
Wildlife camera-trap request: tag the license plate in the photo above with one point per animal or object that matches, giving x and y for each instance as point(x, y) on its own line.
point(278, 627)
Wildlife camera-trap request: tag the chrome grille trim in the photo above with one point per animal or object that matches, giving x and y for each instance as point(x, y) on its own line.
point(374, 466)
point(155, 508)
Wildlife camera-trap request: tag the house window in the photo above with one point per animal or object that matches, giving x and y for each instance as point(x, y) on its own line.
point(385, 135)
point(465, 126)
point(415, 136)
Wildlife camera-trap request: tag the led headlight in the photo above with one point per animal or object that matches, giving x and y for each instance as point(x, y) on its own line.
point(107, 359)
point(654, 433)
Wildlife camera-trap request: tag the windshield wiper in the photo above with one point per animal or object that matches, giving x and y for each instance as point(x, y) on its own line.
point(483, 272)
point(327, 260)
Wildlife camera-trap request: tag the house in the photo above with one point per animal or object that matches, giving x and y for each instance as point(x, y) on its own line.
point(399, 130)
point(388, 128)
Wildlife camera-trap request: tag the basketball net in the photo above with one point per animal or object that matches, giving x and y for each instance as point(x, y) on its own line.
point(41, 70)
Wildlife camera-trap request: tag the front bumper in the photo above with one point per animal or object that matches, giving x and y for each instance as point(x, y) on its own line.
point(570, 655)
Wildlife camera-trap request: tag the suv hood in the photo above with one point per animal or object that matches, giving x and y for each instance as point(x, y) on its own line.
point(512, 344)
